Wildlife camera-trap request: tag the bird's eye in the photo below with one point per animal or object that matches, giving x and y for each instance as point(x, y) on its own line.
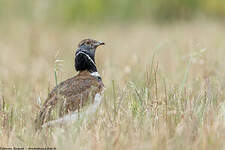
point(87, 42)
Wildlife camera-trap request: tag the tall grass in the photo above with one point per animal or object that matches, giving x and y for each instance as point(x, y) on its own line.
point(162, 91)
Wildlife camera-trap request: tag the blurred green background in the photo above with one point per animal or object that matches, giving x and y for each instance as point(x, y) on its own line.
point(95, 11)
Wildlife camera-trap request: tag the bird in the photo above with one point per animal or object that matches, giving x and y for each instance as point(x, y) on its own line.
point(66, 102)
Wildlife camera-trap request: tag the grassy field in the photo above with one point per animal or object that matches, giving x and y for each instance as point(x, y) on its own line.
point(165, 86)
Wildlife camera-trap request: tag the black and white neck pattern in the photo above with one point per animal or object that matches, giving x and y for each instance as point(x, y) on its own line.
point(84, 61)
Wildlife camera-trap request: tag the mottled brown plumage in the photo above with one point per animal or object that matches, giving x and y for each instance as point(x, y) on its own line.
point(70, 95)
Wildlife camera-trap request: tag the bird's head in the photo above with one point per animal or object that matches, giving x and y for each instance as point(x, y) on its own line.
point(85, 54)
point(90, 44)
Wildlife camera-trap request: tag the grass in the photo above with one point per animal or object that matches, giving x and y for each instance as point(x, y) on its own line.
point(164, 86)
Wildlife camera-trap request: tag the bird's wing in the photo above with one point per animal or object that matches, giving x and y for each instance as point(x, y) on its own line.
point(69, 96)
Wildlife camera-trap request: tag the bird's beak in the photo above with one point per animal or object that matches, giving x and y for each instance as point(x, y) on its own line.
point(100, 43)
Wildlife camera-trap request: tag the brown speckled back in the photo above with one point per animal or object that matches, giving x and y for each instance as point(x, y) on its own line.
point(69, 96)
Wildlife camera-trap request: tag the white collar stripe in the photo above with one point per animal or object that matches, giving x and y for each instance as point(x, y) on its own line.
point(95, 74)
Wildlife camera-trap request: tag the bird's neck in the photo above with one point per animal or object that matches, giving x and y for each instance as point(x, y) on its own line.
point(85, 60)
